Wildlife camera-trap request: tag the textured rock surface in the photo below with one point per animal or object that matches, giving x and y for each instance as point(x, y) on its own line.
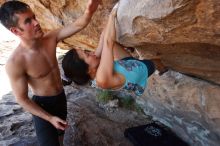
point(89, 123)
point(94, 124)
point(188, 106)
point(185, 34)
point(16, 126)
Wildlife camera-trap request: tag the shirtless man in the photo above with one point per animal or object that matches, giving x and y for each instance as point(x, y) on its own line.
point(33, 63)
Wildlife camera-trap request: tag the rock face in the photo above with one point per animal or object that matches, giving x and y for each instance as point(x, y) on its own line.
point(184, 34)
point(188, 106)
point(16, 125)
point(95, 125)
point(89, 123)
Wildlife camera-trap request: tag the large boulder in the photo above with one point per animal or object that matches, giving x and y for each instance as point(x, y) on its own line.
point(184, 34)
point(189, 106)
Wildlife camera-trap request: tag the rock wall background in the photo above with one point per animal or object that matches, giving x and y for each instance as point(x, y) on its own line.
point(187, 105)
point(89, 123)
point(184, 34)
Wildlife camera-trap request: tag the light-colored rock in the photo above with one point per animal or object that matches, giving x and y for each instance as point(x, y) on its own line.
point(188, 106)
point(168, 21)
point(16, 126)
point(183, 33)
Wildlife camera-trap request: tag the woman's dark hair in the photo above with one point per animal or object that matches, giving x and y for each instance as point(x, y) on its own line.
point(75, 68)
point(8, 11)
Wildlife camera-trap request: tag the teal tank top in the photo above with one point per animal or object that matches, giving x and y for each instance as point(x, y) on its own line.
point(135, 73)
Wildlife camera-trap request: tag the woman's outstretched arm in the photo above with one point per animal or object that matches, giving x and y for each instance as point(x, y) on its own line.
point(105, 76)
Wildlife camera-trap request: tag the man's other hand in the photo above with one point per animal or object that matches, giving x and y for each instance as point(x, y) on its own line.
point(58, 123)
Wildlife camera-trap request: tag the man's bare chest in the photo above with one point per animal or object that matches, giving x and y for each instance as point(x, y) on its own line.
point(40, 65)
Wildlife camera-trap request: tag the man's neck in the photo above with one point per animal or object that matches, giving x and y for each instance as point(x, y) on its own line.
point(31, 44)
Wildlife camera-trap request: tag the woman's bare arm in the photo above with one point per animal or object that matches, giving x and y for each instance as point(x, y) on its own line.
point(99, 49)
point(105, 76)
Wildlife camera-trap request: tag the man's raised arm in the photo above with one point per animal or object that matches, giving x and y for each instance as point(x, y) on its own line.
point(80, 23)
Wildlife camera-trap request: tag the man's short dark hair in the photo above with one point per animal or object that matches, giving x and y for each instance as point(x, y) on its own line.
point(8, 11)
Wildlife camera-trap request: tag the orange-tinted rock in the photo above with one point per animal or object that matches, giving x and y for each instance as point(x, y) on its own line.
point(185, 34)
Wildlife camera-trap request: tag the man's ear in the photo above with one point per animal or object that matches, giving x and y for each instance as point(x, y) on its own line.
point(15, 31)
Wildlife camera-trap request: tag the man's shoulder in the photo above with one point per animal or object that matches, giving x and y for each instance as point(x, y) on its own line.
point(50, 37)
point(51, 34)
point(15, 65)
point(16, 58)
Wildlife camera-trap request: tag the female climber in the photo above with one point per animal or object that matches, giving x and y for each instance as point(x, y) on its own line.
point(110, 66)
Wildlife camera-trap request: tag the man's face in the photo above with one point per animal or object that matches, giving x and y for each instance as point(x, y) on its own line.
point(27, 26)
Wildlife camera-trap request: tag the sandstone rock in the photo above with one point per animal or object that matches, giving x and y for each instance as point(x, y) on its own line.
point(183, 33)
point(188, 106)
